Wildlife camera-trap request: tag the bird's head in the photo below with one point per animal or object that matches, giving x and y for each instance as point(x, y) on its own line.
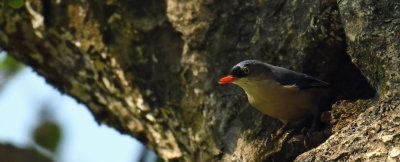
point(247, 71)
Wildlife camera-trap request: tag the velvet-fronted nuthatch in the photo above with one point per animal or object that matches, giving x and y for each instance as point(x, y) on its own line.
point(289, 96)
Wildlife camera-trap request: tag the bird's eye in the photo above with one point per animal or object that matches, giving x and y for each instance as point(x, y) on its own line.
point(246, 70)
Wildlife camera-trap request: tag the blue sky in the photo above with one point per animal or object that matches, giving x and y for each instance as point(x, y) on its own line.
point(21, 101)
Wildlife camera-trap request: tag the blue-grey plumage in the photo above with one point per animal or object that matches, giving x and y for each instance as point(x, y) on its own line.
point(279, 92)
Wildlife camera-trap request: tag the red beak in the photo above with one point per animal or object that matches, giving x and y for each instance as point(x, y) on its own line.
point(227, 79)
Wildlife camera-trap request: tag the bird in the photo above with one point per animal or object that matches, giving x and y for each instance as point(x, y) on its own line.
point(292, 97)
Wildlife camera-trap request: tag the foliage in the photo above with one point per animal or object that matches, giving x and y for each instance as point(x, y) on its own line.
point(8, 68)
point(15, 3)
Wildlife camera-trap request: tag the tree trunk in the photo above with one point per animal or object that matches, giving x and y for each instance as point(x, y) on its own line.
point(150, 69)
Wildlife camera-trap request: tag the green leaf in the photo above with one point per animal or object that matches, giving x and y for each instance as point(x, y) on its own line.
point(10, 64)
point(15, 3)
point(48, 135)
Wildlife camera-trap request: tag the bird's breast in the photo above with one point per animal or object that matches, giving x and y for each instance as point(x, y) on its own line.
point(285, 103)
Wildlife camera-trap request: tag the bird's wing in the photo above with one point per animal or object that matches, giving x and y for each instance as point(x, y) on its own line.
point(288, 77)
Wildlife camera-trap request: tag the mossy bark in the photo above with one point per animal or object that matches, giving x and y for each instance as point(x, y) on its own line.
point(372, 33)
point(150, 68)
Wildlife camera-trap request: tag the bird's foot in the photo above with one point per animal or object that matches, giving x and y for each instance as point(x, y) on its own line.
point(313, 136)
point(306, 140)
point(278, 133)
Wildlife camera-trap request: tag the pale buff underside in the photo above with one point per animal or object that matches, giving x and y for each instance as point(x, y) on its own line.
point(286, 103)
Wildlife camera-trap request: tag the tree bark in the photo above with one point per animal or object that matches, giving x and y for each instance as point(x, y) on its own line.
point(150, 69)
point(11, 153)
point(372, 34)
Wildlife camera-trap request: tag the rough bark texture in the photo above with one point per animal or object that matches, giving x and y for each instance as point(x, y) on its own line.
point(11, 153)
point(373, 36)
point(150, 69)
